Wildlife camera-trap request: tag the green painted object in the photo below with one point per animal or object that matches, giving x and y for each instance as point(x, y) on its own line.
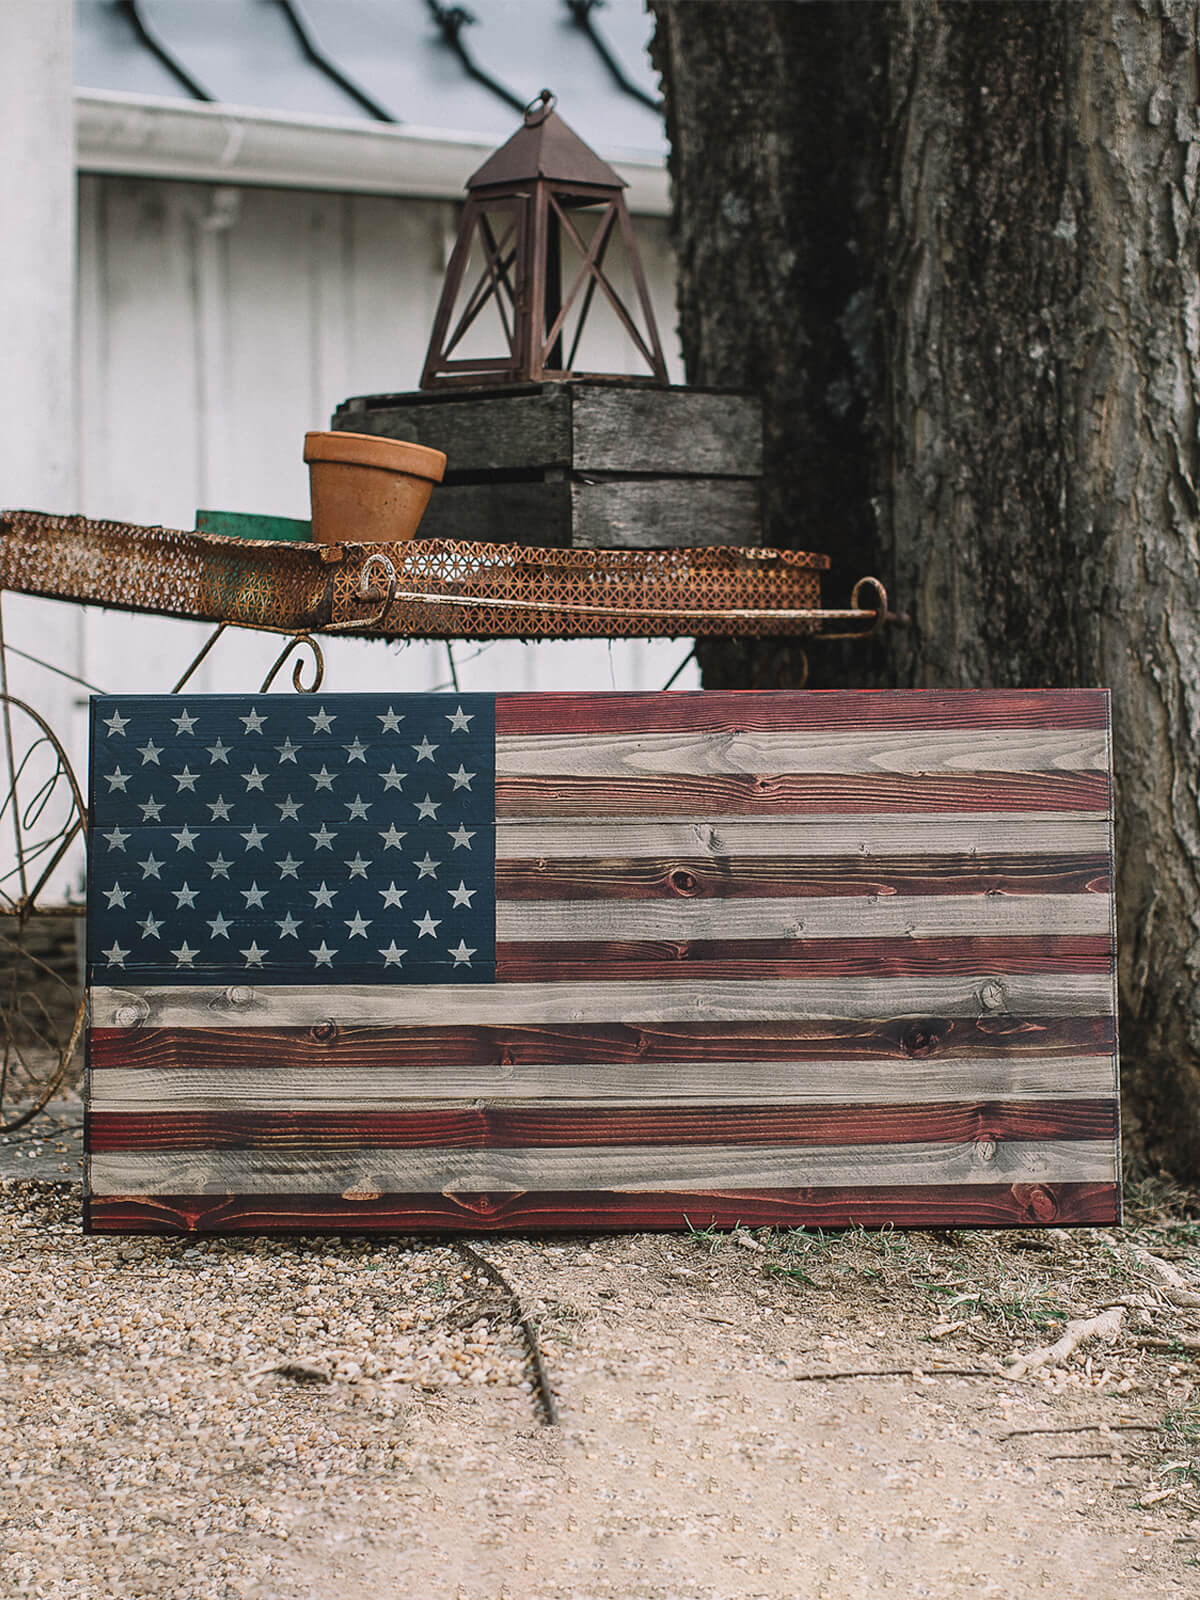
point(247, 525)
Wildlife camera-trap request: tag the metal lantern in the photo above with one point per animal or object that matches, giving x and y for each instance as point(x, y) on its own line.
point(520, 220)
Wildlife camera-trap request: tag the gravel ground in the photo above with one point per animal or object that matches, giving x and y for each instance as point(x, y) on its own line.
point(289, 1418)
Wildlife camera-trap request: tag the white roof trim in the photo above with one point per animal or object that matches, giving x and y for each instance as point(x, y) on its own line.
point(151, 137)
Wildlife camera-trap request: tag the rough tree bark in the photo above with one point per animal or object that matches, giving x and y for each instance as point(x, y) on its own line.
point(956, 246)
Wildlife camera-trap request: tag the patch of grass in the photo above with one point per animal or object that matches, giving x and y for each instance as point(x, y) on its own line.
point(709, 1239)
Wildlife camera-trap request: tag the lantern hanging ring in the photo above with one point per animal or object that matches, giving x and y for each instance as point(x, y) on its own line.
point(540, 107)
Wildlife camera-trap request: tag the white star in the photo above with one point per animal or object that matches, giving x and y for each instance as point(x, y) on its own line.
point(392, 836)
point(462, 954)
point(220, 867)
point(150, 866)
point(324, 837)
point(323, 956)
point(220, 809)
point(391, 720)
point(252, 722)
point(289, 810)
point(220, 926)
point(115, 955)
point(117, 780)
point(253, 896)
point(185, 955)
point(116, 839)
point(428, 867)
point(324, 778)
point(391, 956)
point(462, 837)
point(150, 809)
point(287, 926)
point(184, 897)
point(428, 808)
point(254, 778)
point(356, 752)
point(321, 720)
point(253, 956)
point(219, 752)
point(393, 779)
point(287, 751)
point(116, 896)
point(287, 867)
point(254, 838)
point(462, 896)
point(458, 722)
point(391, 895)
point(186, 779)
point(357, 866)
point(425, 750)
point(358, 808)
point(183, 724)
point(462, 778)
point(116, 723)
point(427, 925)
point(150, 752)
point(322, 896)
point(150, 924)
point(184, 837)
point(358, 928)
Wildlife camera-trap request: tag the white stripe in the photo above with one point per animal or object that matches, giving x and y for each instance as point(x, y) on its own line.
point(430, 1086)
point(922, 751)
point(817, 917)
point(633, 1168)
point(1051, 994)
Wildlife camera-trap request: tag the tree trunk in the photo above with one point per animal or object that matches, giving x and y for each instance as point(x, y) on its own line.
point(956, 246)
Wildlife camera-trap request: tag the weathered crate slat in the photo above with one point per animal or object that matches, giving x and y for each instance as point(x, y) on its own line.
point(594, 465)
point(797, 959)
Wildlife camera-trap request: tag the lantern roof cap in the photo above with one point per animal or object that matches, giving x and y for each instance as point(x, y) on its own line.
point(545, 147)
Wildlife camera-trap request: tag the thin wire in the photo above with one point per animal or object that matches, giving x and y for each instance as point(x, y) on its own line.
point(50, 667)
point(691, 656)
point(453, 668)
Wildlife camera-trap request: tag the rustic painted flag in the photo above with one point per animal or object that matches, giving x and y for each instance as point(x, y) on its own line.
point(612, 960)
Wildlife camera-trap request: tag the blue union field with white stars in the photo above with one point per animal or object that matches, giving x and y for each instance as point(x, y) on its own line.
point(292, 839)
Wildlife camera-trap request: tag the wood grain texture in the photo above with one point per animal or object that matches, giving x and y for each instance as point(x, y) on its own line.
point(628, 1004)
point(783, 797)
point(666, 431)
point(500, 432)
point(185, 1072)
point(839, 710)
point(482, 1127)
point(811, 751)
point(616, 877)
point(917, 1206)
point(756, 960)
point(880, 917)
point(665, 513)
point(632, 1167)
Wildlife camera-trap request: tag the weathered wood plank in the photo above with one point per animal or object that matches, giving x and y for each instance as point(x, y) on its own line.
point(917, 1206)
point(502, 432)
point(198, 1072)
point(672, 431)
point(665, 513)
point(484, 1127)
point(561, 795)
point(437, 1171)
point(899, 917)
point(845, 710)
point(588, 878)
point(1033, 751)
point(759, 960)
point(526, 512)
point(632, 1003)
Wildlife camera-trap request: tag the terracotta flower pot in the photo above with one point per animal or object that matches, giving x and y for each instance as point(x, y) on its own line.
point(366, 489)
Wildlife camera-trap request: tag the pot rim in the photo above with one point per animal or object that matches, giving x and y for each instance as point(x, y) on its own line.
point(368, 450)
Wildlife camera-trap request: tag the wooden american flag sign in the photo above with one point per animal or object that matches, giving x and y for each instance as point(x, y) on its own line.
point(611, 960)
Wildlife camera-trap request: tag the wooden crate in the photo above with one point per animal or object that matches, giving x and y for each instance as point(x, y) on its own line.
point(593, 465)
point(794, 959)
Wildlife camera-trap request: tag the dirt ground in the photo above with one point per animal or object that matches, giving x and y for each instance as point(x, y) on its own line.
point(300, 1419)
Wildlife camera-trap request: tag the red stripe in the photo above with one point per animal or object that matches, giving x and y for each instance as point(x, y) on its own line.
point(751, 960)
point(896, 1039)
point(923, 1206)
point(743, 794)
point(743, 710)
point(500, 1127)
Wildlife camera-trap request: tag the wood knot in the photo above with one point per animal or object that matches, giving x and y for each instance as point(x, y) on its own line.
point(985, 1148)
point(131, 1015)
point(684, 882)
point(920, 1039)
point(324, 1032)
point(991, 995)
point(239, 995)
